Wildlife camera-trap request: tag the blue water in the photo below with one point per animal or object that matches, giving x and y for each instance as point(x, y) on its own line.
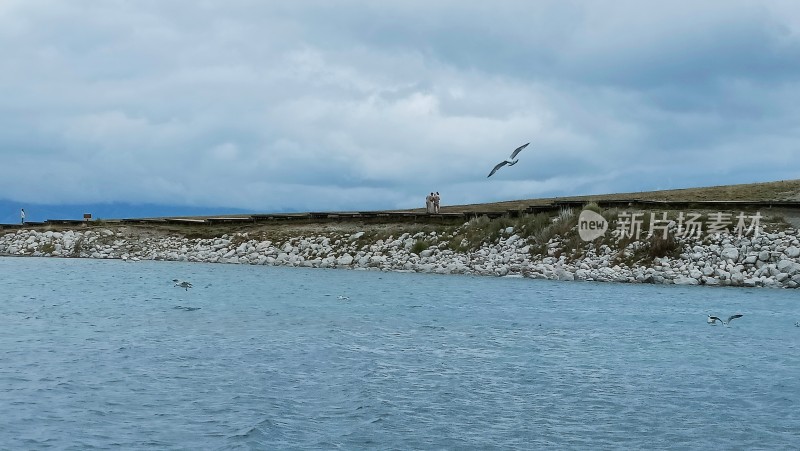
point(104, 354)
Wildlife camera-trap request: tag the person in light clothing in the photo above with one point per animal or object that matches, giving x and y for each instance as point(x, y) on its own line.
point(22, 215)
point(436, 202)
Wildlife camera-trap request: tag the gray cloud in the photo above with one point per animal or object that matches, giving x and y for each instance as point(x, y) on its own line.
point(358, 105)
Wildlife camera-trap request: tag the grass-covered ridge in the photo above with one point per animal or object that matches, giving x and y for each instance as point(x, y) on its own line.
point(540, 231)
point(784, 190)
point(537, 243)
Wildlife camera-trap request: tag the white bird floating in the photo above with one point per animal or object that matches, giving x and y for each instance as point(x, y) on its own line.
point(511, 161)
point(183, 284)
point(343, 298)
point(713, 319)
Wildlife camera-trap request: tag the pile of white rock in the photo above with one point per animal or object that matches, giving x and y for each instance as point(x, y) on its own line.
point(769, 260)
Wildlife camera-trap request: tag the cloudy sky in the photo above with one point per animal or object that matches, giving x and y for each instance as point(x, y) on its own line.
point(355, 105)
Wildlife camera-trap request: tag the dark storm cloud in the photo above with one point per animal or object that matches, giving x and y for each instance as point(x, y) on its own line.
point(356, 105)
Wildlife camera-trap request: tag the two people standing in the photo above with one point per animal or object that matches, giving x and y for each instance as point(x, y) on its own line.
point(432, 203)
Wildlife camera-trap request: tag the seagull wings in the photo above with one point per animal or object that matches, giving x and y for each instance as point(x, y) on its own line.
point(498, 166)
point(733, 317)
point(518, 150)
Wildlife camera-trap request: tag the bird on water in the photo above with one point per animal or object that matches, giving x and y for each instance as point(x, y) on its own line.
point(182, 284)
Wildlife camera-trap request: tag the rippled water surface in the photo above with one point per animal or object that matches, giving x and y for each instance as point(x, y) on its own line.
point(100, 354)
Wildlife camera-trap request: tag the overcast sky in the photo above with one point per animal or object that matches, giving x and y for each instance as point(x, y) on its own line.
point(355, 105)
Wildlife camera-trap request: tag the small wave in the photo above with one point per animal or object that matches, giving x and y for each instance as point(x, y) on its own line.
point(265, 432)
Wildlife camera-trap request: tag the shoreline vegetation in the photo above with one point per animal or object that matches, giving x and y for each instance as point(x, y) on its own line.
point(641, 243)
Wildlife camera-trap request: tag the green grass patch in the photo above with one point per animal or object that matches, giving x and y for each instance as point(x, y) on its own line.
point(420, 246)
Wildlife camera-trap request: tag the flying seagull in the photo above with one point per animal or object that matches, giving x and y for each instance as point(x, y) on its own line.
point(713, 319)
point(511, 161)
point(183, 284)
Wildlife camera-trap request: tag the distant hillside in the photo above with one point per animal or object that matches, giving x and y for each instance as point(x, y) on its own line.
point(780, 190)
point(788, 190)
point(9, 211)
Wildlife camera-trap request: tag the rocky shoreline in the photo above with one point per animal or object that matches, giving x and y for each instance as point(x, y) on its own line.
point(769, 260)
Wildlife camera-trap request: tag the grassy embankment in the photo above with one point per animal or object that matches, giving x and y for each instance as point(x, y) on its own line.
point(539, 229)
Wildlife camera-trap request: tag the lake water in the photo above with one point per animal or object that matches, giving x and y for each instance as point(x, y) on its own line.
point(103, 354)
